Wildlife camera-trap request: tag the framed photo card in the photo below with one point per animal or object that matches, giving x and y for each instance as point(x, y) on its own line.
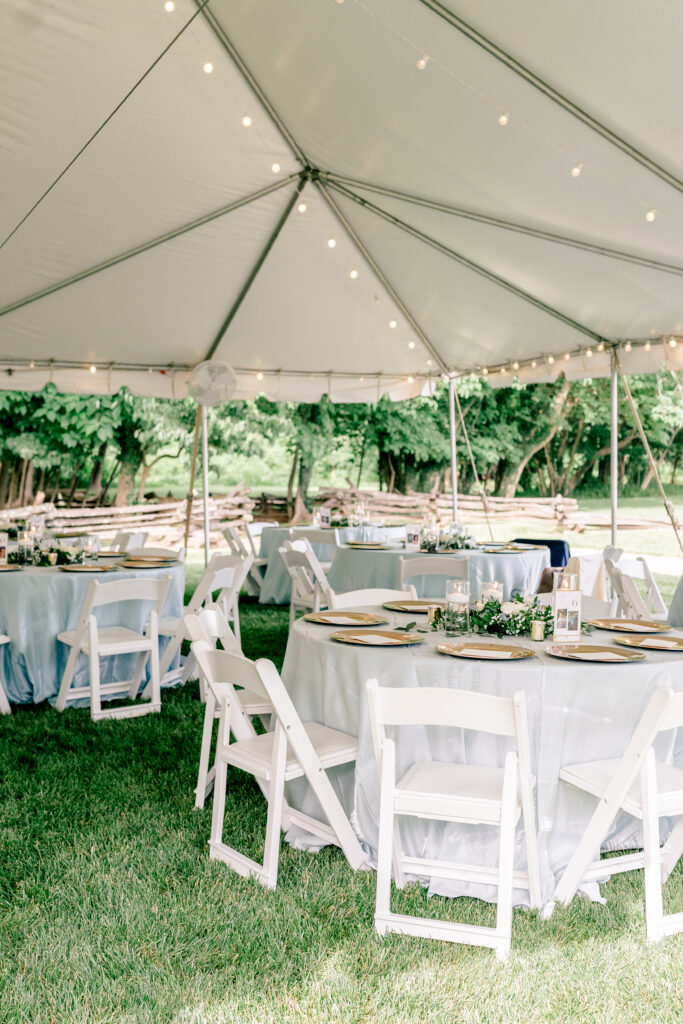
point(567, 615)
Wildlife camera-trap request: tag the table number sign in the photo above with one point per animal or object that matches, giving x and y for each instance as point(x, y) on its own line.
point(412, 538)
point(325, 516)
point(566, 607)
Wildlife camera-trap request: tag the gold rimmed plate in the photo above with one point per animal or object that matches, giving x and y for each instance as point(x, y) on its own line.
point(631, 625)
point(413, 607)
point(593, 652)
point(346, 618)
point(368, 545)
point(10, 568)
point(490, 652)
point(377, 638)
point(652, 643)
point(147, 563)
point(86, 568)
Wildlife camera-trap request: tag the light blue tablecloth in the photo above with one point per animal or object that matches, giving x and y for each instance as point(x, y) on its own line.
point(38, 604)
point(676, 609)
point(276, 587)
point(354, 570)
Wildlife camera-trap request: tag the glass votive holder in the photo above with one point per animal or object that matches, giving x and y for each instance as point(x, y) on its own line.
point(25, 545)
point(563, 580)
point(492, 591)
point(538, 630)
point(90, 545)
point(456, 616)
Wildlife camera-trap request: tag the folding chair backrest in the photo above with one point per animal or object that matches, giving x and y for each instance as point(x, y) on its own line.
point(304, 569)
point(224, 667)
point(179, 555)
point(123, 541)
point(210, 625)
point(254, 531)
point(616, 583)
point(372, 596)
point(136, 589)
point(326, 538)
point(435, 565)
point(635, 603)
point(235, 542)
point(223, 571)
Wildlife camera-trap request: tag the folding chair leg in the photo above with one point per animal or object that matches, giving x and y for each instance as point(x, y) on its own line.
point(292, 613)
point(386, 838)
point(236, 623)
point(218, 815)
point(154, 673)
point(202, 789)
point(653, 872)
point(67, 678)
point(95, 695)
point(672, 850)
point(507, 856)
point(276, 795)
point(5, 709)
point(136, 679)
point(585, 852)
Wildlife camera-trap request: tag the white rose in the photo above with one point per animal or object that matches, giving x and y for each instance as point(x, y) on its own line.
point(480, 605)
point(509, 607)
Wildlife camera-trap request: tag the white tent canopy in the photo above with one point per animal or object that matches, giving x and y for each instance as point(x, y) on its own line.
point(155, 214)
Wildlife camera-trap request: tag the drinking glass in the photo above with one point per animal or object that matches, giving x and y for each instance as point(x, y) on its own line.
point(457, 611)
point(90, 545)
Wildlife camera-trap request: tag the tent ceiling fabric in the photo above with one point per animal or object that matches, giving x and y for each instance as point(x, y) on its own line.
point(133, 237)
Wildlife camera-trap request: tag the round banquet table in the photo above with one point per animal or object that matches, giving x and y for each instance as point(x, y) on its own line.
point(38, 604)
point(517, 571)
point(578, 711)
point(276, 588)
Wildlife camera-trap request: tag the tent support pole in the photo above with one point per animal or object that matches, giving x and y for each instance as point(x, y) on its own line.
point(244, 290)
point(671, 512)
point(205, 485)
point(454, 452)
point(193, 470)
point(614, 448)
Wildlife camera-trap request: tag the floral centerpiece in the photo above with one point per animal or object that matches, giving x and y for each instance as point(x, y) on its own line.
point(510, 618)
point(41, 557)
point(456, 542)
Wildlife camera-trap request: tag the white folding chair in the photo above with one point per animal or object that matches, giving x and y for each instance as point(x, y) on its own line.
point(372, 596)
point(328, 539)
point(638, 569)
point(122, 541)
point(630, 602)
point(149, 552)
point(5, 709)
point(210, 626)
point(294, 750)
point(310, 589)
point(224, 573)
point(237, 546)
point(649, 790)
point(106, 641)
point(450, 792)
point(434, 565)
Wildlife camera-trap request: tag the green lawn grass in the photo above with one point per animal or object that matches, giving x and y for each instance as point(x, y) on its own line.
point(111, 911)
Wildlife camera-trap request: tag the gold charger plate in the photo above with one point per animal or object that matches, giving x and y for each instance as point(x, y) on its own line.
point(631, 625)
point(368, 545)
point(342, 618)
point(592, 652)
point(377, 638)
point(490, 652)
point(147, 564)
point(10, 568)
point(652, 643)
point(85, 568)
point(412, 607)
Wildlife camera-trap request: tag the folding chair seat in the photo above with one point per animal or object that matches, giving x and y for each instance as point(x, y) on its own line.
point(434, 565)
point(237, 546)
point(97, 642)
point(5, 709)
point(450, 792)
point(210, 626)
point(224, 573)
point(293, 750)
point(645, 788)
point(310, 589)
point(372, 596)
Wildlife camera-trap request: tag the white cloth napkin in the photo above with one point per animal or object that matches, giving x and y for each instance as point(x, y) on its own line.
point(389, 640)
point(341, 620)
point(602, 656)
point(638, 628)
point(497, 655)
point(663, 643)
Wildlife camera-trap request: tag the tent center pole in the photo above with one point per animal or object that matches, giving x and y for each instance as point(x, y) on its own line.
point(205, 488)
point(614, 448)
point(454, 451)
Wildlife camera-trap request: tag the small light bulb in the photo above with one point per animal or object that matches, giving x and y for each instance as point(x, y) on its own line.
point(361, 378)
point(393, 323)
point(429, 362)
point(259, 376)
point(246, 121)
point(647, 346)
point(503, 119)
point(534, 364)
point(627, 346)
point(93, 369)
point(576, 170)
point(340, 1)
point(650, 215)
point(149, 369)
point(589, 353)
point(411, 344)
point(485, 372)
point(208, 67)
point(515, 365)
point(301, 207)
point(503, 370)
point(331, 242)
point(600, 347)
point(275, 168)
point(551, 359)
point(31, 365)
point(566, 355)
point(422, 63)
point(410, 380)
point(672, 343)
point(353, 275)
point(169, 6)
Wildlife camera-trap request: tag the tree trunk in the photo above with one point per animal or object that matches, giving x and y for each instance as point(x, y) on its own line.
point(649, 473)
point(292, 478)
point(125, 483)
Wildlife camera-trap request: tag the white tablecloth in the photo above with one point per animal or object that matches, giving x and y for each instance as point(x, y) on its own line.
point(577, 712)
point(38, 604)
point(517, 571)
point(276, 587)
point(676, 609)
